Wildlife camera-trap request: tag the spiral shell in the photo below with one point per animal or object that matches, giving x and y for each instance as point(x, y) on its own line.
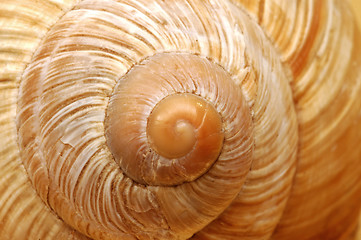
point(138, 119)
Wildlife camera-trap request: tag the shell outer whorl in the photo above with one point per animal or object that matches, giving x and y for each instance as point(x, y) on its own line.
point(83, 49)
point(79, 75)
point(220, 107)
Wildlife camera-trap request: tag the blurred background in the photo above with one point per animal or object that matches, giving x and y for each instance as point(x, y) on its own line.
point(356, 5)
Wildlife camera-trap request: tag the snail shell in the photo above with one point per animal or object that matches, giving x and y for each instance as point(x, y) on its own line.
point(179, 119)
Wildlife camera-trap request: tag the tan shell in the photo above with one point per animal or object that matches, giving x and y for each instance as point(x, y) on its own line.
point(284, 77)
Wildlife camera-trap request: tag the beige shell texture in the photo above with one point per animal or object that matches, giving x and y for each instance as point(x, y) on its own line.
point(179, 119)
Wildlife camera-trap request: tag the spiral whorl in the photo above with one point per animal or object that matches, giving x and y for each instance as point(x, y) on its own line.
point(170, 114)
point(141, 119)
point(104, 171)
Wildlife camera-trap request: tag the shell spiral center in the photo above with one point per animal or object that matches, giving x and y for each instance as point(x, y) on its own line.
point(180, 122)
point(161, 126)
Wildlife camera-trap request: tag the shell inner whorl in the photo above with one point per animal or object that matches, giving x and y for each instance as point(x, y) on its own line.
point(166, 117)
point(179, 123)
